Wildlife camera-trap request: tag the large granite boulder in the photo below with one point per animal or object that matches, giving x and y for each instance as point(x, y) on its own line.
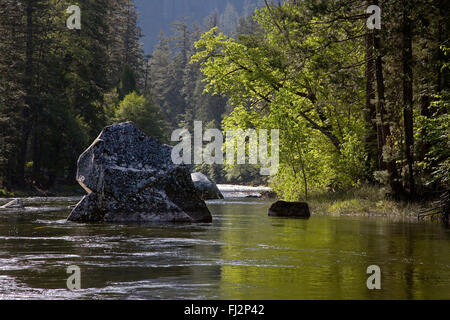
point(206, 189)
point(130, 177)
point(289, 209)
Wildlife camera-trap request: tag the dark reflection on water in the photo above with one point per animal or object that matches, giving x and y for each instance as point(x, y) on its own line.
point(243, 254)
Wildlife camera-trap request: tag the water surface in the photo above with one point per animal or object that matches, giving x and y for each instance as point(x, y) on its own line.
point(243, 254)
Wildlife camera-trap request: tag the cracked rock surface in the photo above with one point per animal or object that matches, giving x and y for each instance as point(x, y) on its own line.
point(207, 189)
point(130, 177)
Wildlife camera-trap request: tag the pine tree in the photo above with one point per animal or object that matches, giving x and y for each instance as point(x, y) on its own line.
point(125, 48)
point(127, 83)
point(229, 19)
point(159, 69)
point(12, 102)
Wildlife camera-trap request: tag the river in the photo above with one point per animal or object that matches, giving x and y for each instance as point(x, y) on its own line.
point(243, 254)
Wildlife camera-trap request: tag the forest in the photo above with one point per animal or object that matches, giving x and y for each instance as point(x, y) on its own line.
point(355, 106)
point(157, 15)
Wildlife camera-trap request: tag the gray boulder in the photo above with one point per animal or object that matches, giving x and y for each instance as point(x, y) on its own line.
point(289, 209)
point(13, 204)
point(130, 177)
point(206, 189)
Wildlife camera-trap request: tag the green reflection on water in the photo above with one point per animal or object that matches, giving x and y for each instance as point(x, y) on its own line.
point(327, 257)
point(243, 254)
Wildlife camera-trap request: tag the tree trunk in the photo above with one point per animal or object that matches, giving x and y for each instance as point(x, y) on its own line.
point(425, 103)
point(385, 132)
point(407, 58)
point(370, 139)
point(71, 175)
point(28, 84)
point(36, 149)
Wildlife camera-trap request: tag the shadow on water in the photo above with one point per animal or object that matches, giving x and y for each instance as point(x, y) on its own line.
point(243, 254)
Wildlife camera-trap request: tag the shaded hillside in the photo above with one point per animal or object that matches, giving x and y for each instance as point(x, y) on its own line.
point(157, 15)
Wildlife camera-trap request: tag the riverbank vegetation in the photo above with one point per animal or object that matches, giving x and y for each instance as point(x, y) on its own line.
point(366, 200)
point(60, 87)
point(354, 106)
point(56, 85)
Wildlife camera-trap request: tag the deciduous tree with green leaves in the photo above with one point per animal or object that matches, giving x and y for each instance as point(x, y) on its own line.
point(301, 77)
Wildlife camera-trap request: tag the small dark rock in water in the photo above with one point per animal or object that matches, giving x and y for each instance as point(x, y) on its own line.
point(289, 209)
point(253, 196)
point(206, 189)
point(130, 177)
point(14, 204)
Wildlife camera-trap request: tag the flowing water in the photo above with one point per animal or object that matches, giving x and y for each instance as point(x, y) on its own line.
point(243, 254)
